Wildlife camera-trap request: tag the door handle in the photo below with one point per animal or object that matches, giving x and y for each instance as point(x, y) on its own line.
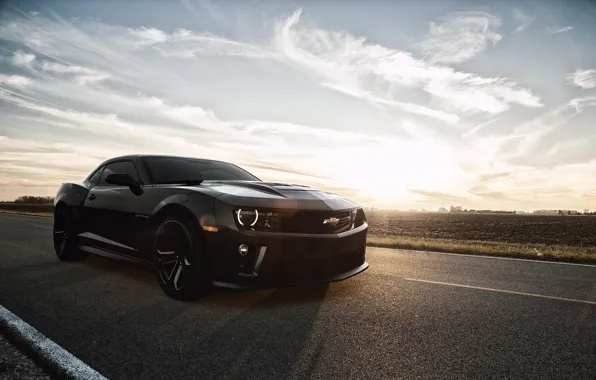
point(91, 197)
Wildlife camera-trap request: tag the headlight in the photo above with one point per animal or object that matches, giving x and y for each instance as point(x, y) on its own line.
point(257, 220)
point(359, 218)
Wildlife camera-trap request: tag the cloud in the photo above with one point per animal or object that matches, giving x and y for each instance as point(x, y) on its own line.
point(148, 36)
point(343, 63)
point(437, 195)
point(579, 104)
point(373, 72)
point(183, 43)
point(138, 124)
point(585, 79)
point(180, 91)
point(523, 20)
point(475, 130)
point(82, 75)
point(557, 30)
point(280, 169)
point(22, 59)
point(16, 81)
point(458, 37)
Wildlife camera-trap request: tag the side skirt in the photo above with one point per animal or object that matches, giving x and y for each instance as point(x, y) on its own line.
point(115, 256)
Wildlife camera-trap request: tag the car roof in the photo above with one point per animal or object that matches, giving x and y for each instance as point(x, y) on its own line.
point(135, 156)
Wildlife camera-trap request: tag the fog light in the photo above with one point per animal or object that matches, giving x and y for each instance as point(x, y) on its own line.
point(243, 250)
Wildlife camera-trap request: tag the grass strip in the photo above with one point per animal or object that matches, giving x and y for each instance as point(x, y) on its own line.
point(25, 212)
point(586, 255)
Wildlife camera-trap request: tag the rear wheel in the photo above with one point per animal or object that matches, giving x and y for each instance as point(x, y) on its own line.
point(179, 258)
point(65, 236)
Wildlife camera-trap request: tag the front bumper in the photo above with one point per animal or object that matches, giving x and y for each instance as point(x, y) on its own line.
point(284, 259)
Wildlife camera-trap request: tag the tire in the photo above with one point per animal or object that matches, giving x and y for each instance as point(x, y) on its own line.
point(180, 259)
point(65, 236)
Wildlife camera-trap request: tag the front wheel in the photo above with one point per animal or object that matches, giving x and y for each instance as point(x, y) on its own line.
point(65, 236)
point(179, 259)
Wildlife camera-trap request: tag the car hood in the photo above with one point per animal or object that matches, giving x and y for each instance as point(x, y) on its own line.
point(276, 195)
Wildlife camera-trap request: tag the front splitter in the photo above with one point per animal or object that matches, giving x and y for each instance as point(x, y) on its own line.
point(339, 277)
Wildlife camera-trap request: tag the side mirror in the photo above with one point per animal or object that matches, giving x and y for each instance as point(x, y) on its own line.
point(123, 179)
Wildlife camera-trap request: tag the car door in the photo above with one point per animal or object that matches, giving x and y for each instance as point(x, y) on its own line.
point(85, 218)
point(111, 211)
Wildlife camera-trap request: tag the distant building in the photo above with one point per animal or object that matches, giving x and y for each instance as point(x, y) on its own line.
point(556, 212)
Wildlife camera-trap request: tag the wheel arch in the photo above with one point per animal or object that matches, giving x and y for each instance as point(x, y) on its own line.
point(193, 206)
point(59, 204)
point(177, 209)
point(172, 209)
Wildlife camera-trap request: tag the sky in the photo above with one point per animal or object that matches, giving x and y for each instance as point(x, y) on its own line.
point(394, 104)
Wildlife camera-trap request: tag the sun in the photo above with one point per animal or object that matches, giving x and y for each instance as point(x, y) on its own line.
point(391, 169)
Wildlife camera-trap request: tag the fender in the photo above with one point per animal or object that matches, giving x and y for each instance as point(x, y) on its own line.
point(73, 196)
point(201, 206)
point(179, 199)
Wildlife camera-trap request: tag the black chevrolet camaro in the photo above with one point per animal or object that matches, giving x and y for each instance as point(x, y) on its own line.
point(203, 223)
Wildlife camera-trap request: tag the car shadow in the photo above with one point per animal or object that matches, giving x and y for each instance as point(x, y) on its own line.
point(272, 338)
point(228, 334)
point(220, 297)
point(234, 334)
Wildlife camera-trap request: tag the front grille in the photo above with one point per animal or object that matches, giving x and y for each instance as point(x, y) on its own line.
point(313, 222)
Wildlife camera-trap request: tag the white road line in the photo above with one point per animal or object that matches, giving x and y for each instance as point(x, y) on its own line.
point(484, 257)
point(56, 357)
point(503, 291)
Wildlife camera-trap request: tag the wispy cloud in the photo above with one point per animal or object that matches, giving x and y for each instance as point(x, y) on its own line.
point(183, 43)
point(585, 79)
point(557, 30)
point(458, 37)
point(579, 104)
point(438, 195)
point(22, 59)
point(17, 81)
point(119, 121)
point(387, 121)
point(352, 65)
point(524, 20)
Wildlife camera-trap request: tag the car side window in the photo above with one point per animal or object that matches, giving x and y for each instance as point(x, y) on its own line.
point(94, 179)
point(120, 167)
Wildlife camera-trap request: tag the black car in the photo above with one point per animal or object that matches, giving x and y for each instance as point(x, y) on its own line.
point(202, 223)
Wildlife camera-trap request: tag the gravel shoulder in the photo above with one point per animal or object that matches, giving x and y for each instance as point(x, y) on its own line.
point(14, 365)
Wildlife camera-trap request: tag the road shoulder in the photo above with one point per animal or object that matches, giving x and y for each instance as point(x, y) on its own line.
point(52, 357)
point(14, 364)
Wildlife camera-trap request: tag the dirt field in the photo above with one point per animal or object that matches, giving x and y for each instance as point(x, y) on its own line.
point(504, 228)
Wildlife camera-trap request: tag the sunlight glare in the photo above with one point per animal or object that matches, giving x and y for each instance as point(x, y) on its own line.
point(393, 167)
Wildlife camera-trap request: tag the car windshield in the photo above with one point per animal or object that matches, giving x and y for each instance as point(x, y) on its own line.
point(183, 170)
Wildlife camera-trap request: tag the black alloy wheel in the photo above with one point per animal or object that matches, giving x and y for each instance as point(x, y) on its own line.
point(180, 266)
point(65, 236)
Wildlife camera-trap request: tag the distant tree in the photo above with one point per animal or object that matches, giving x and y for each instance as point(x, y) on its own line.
point(30, 199)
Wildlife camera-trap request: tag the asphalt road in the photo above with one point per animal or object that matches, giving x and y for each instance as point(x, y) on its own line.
point(406, 317)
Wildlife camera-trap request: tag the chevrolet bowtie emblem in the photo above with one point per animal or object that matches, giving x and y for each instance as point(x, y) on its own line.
point(332, 221)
